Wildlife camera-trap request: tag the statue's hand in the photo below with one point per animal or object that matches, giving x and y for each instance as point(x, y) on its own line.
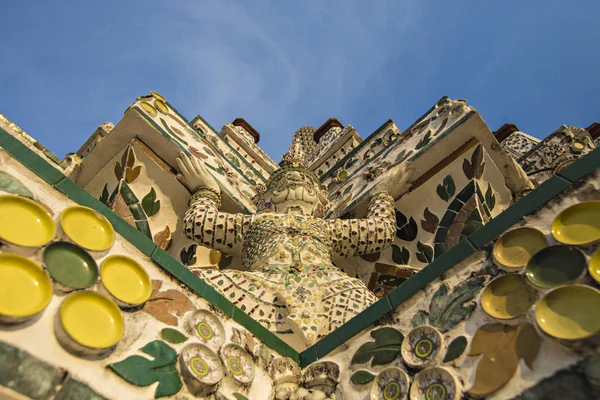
point(194, 175)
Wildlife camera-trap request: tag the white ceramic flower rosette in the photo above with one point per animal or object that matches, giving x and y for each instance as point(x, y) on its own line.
point(422, 347)
point(207, 328)
point(238, 363)
point(435, 383)
point(390, 384)
point(201, 369)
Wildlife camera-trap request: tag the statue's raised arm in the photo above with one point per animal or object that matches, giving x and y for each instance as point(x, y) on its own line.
point(203, 222)
point(374, 233)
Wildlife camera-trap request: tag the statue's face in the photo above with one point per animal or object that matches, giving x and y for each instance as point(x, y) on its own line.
point(294, 192)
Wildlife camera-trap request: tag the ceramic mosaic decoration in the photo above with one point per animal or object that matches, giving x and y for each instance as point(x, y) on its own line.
point(166, 259)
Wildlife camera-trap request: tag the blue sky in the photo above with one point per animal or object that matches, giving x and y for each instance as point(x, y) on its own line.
point(69, 66)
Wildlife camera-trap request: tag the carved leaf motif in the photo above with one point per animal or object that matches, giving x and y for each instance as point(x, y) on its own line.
point(384, 350)
point(361, 377)
point(173, 335)
point(419, 319)
point(149, 203)
point(10, 184)
point(456, 348)
point(120, 166)
point(424, 141)
point(167, 306)
point(400, 255)
point(431, 221)
point(425, 254)
point(502, 346)
point(163, 238)
point(142, 371)
point(448, 309)
point(104, 196)
point(474, 169)
point(131, 174)
point(441, 127)
point(406, 229)
point(239, 396)
point(188, 256)
point(446, 189)
point(490, 198)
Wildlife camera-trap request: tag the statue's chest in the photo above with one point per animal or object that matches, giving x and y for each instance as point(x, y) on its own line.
point(278, 236)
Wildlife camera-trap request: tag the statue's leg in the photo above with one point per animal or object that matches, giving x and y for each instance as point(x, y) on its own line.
point(343, 298)
point(307, 315)
point(253, 293)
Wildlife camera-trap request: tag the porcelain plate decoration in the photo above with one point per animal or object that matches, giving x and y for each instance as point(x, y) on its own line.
point(207, 328)
point(435, 383)
point(390, 384)
point(422, 346)
point(238, 362)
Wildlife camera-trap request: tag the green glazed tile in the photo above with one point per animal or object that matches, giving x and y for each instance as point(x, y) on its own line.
point(26, 374)
point(29, 158)
point(441, 234)
point(132, 235)
point(144, 228)
point(525, 206)
point(72, 389)
point(264, 335)
point(581, 167)
point(467, 192)
point(448, 217)
point(128, 195)
point(351, 328)
point(137, 211)
point(308, 356)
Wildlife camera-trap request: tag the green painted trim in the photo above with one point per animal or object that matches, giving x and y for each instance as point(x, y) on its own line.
point(29, 158)
point(582, 166)
point(308, 356)
point(351, 328)
point(264, 335)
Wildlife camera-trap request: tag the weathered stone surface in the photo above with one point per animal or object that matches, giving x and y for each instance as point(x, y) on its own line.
point(580, 382)
point(25, 374)
point(75, 390)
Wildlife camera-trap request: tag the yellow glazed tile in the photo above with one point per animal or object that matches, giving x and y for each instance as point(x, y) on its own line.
point(507, 297)
point(149, 108)
point(578, 224)
point(570, 312)
point(158, 96)
point(594, 266)
point(24, 222)
point(87, 228)
point(25, 290)
point(126, 280)
point(92, 320)
point(516, 247)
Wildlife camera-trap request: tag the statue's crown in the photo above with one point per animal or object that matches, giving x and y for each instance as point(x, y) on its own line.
point(295, 155)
